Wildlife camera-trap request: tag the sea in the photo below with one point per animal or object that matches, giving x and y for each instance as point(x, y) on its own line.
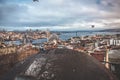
point(65, 35)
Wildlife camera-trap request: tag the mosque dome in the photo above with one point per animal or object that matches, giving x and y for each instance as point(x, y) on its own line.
point(60, 64)
point(53, 37)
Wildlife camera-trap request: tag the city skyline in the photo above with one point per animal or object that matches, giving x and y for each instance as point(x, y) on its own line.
point(59, 14)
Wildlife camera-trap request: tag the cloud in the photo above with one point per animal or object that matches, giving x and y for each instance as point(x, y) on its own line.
point(60, 14)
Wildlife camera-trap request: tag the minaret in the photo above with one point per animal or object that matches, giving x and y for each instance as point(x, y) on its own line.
point(47, 35)
point(107, 58)
point(24, 39)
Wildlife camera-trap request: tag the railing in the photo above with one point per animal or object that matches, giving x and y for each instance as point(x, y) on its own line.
point(114, 67)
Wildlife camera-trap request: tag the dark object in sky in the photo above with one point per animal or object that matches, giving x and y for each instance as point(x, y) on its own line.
point(35, 0)
point(92, 26)
point(60, 64)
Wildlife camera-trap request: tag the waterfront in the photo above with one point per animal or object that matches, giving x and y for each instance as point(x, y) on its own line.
point(65, 35)
point(69, 34)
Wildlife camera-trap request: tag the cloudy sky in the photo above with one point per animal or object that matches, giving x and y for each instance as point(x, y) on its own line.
point(59, 14)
